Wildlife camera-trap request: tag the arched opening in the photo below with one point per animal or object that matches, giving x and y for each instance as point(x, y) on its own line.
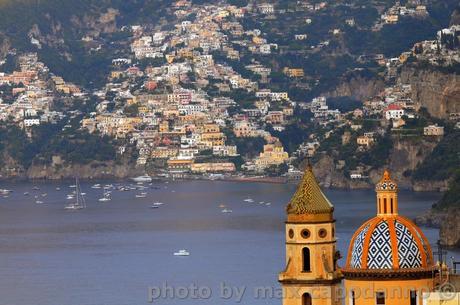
point(391, 205)
point(352, 298)
point(306, 260)
point(413, 297)
point(384, 205)
point(380, 298)
point(306, 299)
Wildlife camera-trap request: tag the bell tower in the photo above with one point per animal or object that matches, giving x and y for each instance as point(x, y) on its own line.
point(311, 276)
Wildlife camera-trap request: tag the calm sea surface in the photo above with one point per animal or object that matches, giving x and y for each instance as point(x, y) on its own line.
point(111, 253)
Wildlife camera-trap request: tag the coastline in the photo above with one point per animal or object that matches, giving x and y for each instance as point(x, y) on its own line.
point(352, 185)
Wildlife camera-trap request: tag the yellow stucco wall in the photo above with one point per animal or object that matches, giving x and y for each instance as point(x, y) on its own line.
point(397, 292)
point(320, 295)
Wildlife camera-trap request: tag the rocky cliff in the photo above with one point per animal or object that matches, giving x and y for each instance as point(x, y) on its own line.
point(434, 90)
point(329, 176)
point(406, 154)
point(450, 229)
point(448, 223)
point(404, 157)
point(93, 170)
point(358, 87)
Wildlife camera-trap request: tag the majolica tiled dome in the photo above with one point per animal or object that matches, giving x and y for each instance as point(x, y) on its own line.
point(389, 243)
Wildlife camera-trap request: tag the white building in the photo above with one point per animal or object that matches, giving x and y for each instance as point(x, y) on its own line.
point(393, 112)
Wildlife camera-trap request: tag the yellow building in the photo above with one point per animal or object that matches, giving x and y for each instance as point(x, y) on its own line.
point(210, 139)
point(364, 141)
point(294, 72)
point(221, 167)
point(389, 260)
point(273, 154)
point(311, 275)
point(258, 40)
point(210, 128)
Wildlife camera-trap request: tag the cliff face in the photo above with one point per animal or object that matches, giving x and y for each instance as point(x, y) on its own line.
point(328, 176)
point(10, 169)
point(5, 45)
point(358, 87)
point(94, 170)
point(450, 229)
point(404, 158)
point(438, 92)
point(448, 223)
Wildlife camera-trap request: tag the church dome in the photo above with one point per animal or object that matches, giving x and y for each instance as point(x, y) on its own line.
point(389, 243)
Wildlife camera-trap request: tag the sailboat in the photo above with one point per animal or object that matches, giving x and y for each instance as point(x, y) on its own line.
point(80, 204)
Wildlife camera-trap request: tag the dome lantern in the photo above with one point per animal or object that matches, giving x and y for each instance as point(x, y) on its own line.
point(387, 196)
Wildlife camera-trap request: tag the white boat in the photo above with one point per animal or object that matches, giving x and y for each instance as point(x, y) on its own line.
point(26, 193)
point(268, 203)
point(58, 189)
point(5, 192)
point(227, 211)
point(106, 197)
point(80, 200)
point(141, 195)
point(182, 252)
point(248, 200)
point(144, 178)
point(158, 203)
point(39, 201)
point(70, 197)
point(73, 206)
point(96, 186)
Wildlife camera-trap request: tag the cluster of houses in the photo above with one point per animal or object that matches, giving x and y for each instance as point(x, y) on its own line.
point(442, 51)
point(28, 94)
point(413, 8)
point(179, 109)
point(177, 125)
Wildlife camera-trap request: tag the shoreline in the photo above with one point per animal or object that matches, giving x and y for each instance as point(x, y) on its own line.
point(241, 179)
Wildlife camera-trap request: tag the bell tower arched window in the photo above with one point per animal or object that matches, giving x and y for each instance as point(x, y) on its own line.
point(306, 260)
point(306, 299)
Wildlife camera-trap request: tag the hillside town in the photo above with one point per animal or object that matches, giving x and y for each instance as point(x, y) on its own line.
point(188, 110)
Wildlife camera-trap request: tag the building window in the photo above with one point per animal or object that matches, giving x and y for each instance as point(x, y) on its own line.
point(305, 233)
point(413, 297)
point(306, 299)
point(352, 298)
point(391, 205)
point(306, 259)
point(291, 233)
point(380, 298)
point(322, 233)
